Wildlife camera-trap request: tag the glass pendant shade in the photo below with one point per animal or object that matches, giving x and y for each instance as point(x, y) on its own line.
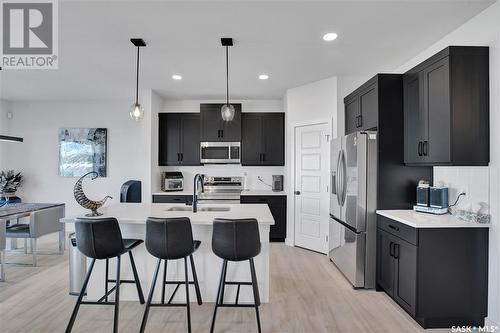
point(136, 112)
point(227, 112)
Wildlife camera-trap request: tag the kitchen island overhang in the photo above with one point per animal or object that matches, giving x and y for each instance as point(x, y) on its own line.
point(132, 219)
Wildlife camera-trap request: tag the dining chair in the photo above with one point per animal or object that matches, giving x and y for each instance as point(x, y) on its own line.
point(41, 223)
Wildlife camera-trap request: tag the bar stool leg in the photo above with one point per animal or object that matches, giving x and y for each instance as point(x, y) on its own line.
point(195, 278)
point(80, 297)
point(117, 295)
point(150, 297)
point(136, 278)
point(106, 276)
point(163, 281)
point(187, 294)
point(222, 275)
point(256, 295)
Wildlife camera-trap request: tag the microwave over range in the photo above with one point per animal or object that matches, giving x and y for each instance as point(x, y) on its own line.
point(220, 152)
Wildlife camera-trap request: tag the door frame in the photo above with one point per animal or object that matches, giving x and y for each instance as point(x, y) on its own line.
point(290, 239)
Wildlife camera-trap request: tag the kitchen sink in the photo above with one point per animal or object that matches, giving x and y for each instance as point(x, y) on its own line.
point(200, 209)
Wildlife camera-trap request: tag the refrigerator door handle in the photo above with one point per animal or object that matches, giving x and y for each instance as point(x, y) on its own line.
point(334, 180)
point(344, 178)
point(337, 187)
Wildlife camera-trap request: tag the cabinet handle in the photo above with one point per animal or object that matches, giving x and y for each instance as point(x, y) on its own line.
point(178, 157)
point(360, 121)
point(218, 133)
point(396, 251)
point(263, 157)
point(391, 251)
point(221, 133)
point(182, 156)
point(420, 148)
point(424, 149)
point(393, 227)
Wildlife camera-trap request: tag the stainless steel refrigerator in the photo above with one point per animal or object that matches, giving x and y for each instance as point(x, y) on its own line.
point(353, 201)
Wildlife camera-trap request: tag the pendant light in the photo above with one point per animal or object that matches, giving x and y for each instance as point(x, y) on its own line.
point(137, 110)
point(227, 110)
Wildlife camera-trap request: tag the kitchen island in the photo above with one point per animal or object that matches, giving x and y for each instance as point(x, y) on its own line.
point(132, 219)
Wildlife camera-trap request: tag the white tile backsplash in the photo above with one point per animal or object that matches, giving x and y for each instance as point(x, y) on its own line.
point(474, 181)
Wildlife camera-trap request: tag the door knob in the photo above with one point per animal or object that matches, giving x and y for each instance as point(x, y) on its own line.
point(297, 192)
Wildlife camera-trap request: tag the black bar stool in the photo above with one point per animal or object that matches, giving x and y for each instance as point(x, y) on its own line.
point(236, 240)
point(171, 239)
point(100, 238)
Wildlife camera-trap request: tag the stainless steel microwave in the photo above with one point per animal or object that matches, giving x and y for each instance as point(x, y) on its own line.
point(220, 152)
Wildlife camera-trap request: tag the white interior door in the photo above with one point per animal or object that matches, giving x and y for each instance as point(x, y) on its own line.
point(311, 187)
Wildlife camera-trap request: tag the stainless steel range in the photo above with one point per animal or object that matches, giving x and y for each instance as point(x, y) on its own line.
point(222, 189)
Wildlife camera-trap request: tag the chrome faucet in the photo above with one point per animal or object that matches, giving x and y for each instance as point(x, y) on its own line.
point(197, 178)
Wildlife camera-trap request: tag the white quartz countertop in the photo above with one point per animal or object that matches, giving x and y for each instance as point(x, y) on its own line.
point(137, 213)
point(425, 220)
point(262, 192)
point(183, 192)
point(244, 192)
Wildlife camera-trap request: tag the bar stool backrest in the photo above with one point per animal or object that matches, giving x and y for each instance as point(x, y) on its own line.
point(99, 238)
point(169, 238)
point(236, 240)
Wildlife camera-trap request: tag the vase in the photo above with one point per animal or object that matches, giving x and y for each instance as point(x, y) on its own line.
point(9, 197)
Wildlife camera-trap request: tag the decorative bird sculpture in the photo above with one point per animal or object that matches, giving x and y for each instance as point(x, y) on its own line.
point(85, 202)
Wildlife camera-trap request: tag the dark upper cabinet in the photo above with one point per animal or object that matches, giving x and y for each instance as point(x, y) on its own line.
point(263, 139)
point(446, 108)
point(432, 275)
point(213, 128)
point(179, 139)
point(361, 108)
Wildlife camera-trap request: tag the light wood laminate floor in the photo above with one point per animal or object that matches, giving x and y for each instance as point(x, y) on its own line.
point(308, 294)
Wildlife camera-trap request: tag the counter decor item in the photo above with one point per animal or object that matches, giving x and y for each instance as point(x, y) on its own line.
point(85, 202)
point(82, 150)
point(9, 183)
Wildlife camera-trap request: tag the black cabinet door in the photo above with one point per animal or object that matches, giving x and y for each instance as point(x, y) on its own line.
point(263, 139)
point(251, 139)
point(169, 139)
point(414, 118)
point(213, 128)
point(385, 261)
point(438, 110)
point(211, 122)
point(278, 230)
point(368, 104)
point(405, 282)
point(231, 130)
point(352, 116)
point(273, 126)
point(172, 198)
point(190, 139)
point(277, 206)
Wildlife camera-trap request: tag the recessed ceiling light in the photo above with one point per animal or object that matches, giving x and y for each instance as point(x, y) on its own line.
point(263, 77)
point(330, 36)
point(176, 77)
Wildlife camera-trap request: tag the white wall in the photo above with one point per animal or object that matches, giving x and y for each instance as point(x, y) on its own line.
point(482, 184)
point(309, 104)
point(37, 157)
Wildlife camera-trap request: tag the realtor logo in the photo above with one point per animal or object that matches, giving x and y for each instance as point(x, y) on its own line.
point(29, 34)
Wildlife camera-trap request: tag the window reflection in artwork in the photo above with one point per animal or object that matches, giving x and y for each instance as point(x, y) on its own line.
point(82, 150)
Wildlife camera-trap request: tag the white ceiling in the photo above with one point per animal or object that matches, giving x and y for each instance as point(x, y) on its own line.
point(280, 38)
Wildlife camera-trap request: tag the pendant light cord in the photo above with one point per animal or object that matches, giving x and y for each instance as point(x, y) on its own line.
point(137, 79)
point(227, 77)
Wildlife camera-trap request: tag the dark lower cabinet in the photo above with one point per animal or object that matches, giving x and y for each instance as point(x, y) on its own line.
point(179, 139)
point(438, 275)
point(173, 198)
point(277, 206)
